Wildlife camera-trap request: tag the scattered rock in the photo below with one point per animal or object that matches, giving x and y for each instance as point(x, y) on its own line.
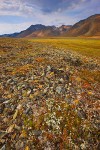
point(48, 68)
point(37, 132)
point(3, 148)
point(2, 106)
point(58, 89)
point(82, 114)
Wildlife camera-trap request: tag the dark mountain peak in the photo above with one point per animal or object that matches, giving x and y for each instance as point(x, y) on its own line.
point(36, 27)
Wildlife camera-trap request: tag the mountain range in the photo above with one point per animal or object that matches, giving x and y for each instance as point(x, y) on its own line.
point(87, 27)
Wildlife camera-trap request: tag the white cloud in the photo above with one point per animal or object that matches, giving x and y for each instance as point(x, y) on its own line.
point(6, 28)
point(15, 7)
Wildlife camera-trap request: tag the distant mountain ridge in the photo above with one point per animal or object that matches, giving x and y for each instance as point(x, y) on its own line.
point(40, 30)
point(9, 35)
point(86, 27)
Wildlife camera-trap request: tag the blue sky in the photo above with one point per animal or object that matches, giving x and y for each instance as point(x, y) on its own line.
point(17, 15)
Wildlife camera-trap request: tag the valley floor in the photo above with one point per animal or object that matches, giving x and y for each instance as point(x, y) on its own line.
point(49, 94)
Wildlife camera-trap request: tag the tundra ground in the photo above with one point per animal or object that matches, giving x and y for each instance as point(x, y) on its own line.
point(49, 94)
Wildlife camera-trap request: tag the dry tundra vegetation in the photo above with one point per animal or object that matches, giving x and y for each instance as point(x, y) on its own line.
point(49, 94)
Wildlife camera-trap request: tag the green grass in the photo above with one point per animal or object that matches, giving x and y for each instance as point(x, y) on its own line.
point(87, 47)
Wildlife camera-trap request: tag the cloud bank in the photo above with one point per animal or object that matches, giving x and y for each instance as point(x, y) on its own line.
point(48, 12)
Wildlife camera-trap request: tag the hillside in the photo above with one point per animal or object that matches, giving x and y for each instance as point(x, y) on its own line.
point(86, 27)
point(30, 30)
point(46, 32)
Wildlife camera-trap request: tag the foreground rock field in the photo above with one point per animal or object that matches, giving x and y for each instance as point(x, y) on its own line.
point(49, 97)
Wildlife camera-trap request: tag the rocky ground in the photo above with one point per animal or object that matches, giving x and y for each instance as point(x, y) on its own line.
point(49, 98)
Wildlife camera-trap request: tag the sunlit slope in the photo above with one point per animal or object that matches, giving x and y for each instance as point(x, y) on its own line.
point(86, 27)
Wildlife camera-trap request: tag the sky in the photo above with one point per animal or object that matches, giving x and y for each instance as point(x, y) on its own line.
point(17, 15)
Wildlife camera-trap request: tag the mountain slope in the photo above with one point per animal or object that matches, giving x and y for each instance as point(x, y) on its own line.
point(30, 30)
point(44, 31)
point(86, 27)
point(64, 28)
